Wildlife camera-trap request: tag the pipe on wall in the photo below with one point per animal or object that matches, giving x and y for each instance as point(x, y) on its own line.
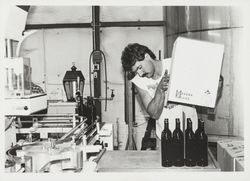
point(96, 46)
point(101, 24)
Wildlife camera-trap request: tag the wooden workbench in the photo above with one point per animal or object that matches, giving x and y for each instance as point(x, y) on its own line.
point(144, 161)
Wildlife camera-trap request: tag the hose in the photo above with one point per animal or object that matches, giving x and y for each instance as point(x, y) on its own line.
point(90, 84)
point(105, 69)
point(9, 125)
point(106, 79)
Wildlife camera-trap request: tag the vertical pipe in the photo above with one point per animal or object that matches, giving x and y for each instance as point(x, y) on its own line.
point(133, 103)
point(129, 112)
point(125, 98)
point(96, 46)
point(9, 54)
point(45, 61)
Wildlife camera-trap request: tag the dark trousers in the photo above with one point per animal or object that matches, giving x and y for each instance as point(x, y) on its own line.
point(149, 140)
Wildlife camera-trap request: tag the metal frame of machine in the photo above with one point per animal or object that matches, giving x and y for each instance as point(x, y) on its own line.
point(76, 148)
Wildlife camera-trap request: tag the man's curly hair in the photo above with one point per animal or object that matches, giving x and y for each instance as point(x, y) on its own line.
point(134, 52)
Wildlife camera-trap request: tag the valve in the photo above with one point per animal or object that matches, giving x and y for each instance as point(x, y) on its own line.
point(112, 93)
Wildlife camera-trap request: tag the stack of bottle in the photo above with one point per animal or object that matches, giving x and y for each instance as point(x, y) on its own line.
point(188, 148)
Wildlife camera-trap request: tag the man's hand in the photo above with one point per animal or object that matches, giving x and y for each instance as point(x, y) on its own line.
point(220, 89)
point(163, 84)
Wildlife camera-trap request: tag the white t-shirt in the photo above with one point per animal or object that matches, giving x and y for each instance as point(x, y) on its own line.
point(172, 111)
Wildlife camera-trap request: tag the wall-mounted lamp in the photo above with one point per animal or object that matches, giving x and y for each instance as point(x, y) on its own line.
point(73, 82)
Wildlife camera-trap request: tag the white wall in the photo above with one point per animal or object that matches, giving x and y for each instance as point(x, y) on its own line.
point(59, 14)
point(52, 53)
point(241, 76)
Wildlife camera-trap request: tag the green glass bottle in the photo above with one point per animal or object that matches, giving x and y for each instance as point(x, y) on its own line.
point(166, 145)
point(178, 145)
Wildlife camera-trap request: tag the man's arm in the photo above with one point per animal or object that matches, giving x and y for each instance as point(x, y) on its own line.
point(154, 106)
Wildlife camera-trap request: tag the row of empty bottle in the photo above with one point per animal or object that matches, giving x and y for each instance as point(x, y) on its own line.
point(189, 148)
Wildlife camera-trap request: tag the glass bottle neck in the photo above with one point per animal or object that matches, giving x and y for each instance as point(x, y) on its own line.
point(189, 126)
point(199, 124)
point(166, 126)
point(202, 126)
point(177, 124)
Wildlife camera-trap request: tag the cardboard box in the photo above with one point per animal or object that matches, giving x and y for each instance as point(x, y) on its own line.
point(227, 151)
point(106, 135)
point(62, 108)
point(239, 164)
point(195, 72)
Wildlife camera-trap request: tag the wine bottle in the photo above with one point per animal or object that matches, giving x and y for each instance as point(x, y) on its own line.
point(199, 127)
point(166, 145)
point(201, 145)
point(178, 145)
point(189, 145)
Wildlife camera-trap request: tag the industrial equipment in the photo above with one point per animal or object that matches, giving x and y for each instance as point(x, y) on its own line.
point(79, 146)
point(68, 137)
point(19, 98)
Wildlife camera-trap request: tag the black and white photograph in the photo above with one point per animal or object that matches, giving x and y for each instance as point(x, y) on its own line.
point(95, 88)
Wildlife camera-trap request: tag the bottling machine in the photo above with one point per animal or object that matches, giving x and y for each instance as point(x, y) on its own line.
point(67, 136)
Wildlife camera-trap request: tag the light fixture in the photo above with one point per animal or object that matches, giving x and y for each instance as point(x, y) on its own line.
point(73, 82)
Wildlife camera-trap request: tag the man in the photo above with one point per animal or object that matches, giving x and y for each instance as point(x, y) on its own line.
point(141, 64)
point(151, 79)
